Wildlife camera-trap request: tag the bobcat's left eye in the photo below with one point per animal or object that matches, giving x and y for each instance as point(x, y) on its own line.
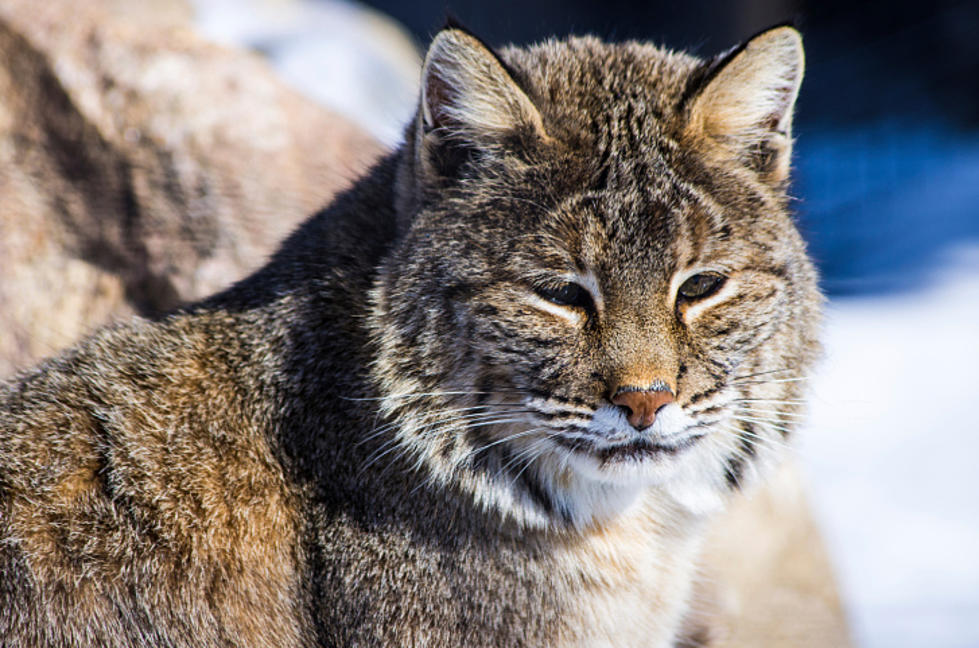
point(700, 286)
point(566, 294)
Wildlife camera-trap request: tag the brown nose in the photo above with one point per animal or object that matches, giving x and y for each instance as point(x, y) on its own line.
point(642, 405)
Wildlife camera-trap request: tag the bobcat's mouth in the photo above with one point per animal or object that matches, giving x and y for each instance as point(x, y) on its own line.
point(637, 447)
point(610, 439)
point(605, 445)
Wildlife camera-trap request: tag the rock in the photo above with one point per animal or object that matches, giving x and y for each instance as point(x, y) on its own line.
point(143, 166)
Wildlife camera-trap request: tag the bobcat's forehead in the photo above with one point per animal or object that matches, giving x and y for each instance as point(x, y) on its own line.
point(630, 241)
point(587, 88)
point(619, 191)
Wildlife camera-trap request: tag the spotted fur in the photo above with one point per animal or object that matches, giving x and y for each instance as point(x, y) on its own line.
point(401, 432)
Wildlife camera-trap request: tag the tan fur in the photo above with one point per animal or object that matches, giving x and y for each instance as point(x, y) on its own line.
point(476, 96)
point(632, 569)
point(758, 86)
point(400, 431)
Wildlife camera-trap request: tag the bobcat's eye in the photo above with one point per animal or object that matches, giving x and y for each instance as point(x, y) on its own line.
point(566, 294)
point(700, 286)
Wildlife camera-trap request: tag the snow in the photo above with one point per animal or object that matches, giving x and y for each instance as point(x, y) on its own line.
point(892, 453)
point(343, 55)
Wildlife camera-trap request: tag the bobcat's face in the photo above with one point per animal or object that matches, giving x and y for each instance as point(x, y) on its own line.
point(625, 327)
point(605, 301)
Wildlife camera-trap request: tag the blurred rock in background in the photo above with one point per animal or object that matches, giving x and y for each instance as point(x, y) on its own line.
point(143, 166)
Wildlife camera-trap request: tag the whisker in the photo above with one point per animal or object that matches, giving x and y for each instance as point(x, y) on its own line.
point(470, 416)
point(517, 457)
point(427, 432)
point(770, 423)
point(430, 394)
point(742, 433)
point(475, 451)
point(533, 448)
point(767, 411)
point(466, 413)
point(773, 381)
point(562, 408)
point(440, 428)
point(770, 440)
point(389, 446)
point(509, 437)
point(762, 373)
point(376, 432)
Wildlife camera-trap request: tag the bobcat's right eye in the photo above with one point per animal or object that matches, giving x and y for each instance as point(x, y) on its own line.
point(701, 286)
point(566, 294)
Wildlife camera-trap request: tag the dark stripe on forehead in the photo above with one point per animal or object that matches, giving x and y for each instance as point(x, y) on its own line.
point(700, 227)
point(720, 186)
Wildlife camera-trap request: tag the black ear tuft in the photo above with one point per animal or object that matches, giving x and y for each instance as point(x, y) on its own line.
point(452, 22)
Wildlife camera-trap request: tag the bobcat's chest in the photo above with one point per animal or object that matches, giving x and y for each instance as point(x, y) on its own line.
point(629, 579)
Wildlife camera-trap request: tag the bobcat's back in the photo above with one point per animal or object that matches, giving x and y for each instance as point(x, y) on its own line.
point(140, 500)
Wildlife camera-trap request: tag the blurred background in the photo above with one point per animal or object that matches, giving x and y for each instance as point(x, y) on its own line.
point(887, 182)
point(172, 166)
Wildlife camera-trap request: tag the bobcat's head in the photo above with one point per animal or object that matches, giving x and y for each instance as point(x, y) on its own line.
point(598, 287)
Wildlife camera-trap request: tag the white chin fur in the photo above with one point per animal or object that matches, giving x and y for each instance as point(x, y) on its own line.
point(670, 428)
point(596, 490)
point(652, 471)
point(591, 493)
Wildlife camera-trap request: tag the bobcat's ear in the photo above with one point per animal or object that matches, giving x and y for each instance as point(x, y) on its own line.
point(746, 103)
point(469, 101)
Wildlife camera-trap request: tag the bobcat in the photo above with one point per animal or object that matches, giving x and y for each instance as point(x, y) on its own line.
point(489, 397)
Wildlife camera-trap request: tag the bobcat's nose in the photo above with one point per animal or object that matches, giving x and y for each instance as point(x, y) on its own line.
point(642, 404)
